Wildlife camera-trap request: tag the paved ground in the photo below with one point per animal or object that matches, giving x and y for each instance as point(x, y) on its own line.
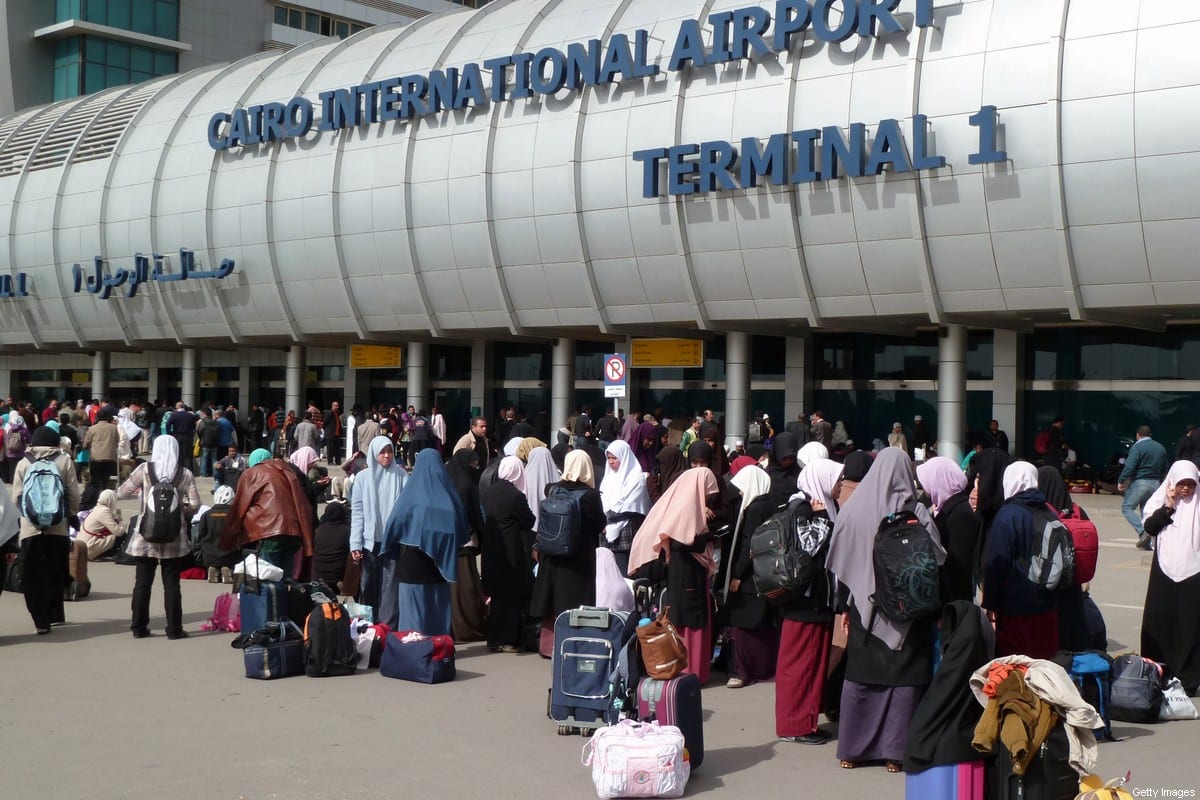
point(91, 712)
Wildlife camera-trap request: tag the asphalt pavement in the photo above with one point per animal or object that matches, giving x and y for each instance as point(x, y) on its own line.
point(90, 712)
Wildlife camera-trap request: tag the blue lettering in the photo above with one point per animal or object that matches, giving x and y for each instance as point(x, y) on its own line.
point(678, 169)
point(215, 140)
point(388, 112)
point(716, 166)
point(642, 68)
point(272, 122)
point(649, 160)
point(806, 156)
point(497, 66)
point(987, 120)
point(254, 115)
point(837, 148)
point(872, 11)
point(239, 129)
point(924, 13)
point(442, 85)
point(366, 102)
point(521, 63)
point(689, 46)
point(721, 24)
point(618, 60)
point(791, 17)
point(470, 88)
point(749, 25)
point(583, 64)
point(771, 160)
point(922, 159)
point(821, 20)
point(549, 84)
point(412, 93)
point(299, 117)
point(888, 148)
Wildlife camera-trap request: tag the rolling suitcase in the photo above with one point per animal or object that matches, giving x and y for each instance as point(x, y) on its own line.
point(1049, 776)
point(676, 702)
point(587, 642)
point(261, 602)
point(949, 782)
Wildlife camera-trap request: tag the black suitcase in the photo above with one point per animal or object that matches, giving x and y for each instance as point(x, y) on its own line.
point(1050, 775)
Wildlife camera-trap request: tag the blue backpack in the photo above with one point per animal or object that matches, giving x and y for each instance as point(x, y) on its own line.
point(43, 495)
point(1092, 671)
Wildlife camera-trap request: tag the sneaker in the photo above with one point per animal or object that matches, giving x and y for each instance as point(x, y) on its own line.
point(226, 575)
point(808, 738)
point(1143, 542)
point(214, 575)
point(508, 648)
point(734, 683)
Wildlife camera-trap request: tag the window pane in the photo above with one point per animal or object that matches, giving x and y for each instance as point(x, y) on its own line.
point(116, 76)
point(60, 83)
point(141, 59)
point(95, 49)
point(142, 16)
point(166, 19)
point(356, 28)
point(312, 22)
point(342, 29)
point(281, 15)
point(294, 18)
point(119, 13)
point(93, 77)
point(97, 11)
point(326, 26)
point(118, 54)
point(165, 63)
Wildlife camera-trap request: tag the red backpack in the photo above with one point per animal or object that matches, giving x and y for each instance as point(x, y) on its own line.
point(1087, 544)
point(1041, 443)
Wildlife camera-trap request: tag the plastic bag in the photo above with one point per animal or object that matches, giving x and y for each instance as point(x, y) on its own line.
point(255, 567)
point(1175, 703)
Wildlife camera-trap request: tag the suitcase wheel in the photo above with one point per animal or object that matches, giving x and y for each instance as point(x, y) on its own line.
point(565, 730)
point(587, 732)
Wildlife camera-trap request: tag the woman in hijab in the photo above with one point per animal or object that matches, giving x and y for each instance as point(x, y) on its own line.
point(670, 464)
point(423, 534)
point(331, 545)
point(102, 526)
point(854, 471)
point(1072, 622)
point(375, 494)
point(784, 469)
point(806, 636)
point(629, 429)
point(565, 582)
point(1171, 619)
point(958, 525)
point(271, 510)
point(43, 555)
point(16, 441)
point(810, 452)
point(304, 460)
point(219, 562)
point(561, 447)
point(750, 618)
point(540, 472)
point(626, 501)
point(674, 543)
point(888, 666)
point(647, 446)
point(173, 556)
point(986, 481)
point(469, 609)
point(1026, 614)
point(711, 434)
point(527, 446)
point(897, 438)
point(506, 551)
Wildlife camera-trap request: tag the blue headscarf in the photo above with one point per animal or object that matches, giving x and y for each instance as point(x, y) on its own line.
point(375, 493)
point(429, 516)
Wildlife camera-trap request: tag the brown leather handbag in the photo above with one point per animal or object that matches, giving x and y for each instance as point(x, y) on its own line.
point(664, 655)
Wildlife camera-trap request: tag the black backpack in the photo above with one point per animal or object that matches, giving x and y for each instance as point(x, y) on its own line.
point(560, 523)
point(163, 517)
point(907, 579)
point(1137, 689)
point(328, 647)
point(788, 552)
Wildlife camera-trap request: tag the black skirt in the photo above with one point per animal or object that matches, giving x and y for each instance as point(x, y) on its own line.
point(1171, 625)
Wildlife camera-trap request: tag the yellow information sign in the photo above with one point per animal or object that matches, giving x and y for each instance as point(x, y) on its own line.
point(81, 377)
point(208, 377)
point(666, 353)
point(369, 356)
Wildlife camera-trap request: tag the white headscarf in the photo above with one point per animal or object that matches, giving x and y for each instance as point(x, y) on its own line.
point(1177, 546)
point(165, 457)
point(512, 470)
point(540, 472)
point(510, 449)
point(375, 494)
point(817, 481)
point(813, 451)
point(623, 488)
point(1020, 476)
point(611, 589)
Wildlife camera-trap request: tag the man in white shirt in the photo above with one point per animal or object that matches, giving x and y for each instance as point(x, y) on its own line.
point(437, 424)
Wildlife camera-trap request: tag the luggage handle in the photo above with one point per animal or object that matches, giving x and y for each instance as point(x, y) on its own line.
point(590, 617)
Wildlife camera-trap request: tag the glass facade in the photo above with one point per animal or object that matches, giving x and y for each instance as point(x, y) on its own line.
point(870, 357)
point(1114, 354)
point(316, 22)
point(86, 64)
point(151, 17)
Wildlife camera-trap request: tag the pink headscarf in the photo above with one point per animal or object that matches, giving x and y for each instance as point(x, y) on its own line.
point(304, 458)
point(942, 479)
point(678, 515)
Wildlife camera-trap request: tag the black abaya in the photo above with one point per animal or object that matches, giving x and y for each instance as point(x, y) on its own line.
point(570, 582)
point(1171, 625)
point(960, 530)
point(507, 568)
point(45, 574)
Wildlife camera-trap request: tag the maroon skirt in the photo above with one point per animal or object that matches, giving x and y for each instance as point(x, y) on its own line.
point(800, 676)
point(1034, 636)
point(755, 652)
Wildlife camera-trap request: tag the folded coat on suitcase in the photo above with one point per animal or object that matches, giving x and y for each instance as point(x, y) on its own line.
point(676, 702)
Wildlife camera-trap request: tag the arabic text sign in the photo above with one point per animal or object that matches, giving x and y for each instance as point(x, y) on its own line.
point(367, 356)
point(667, 353)
point(95, 280)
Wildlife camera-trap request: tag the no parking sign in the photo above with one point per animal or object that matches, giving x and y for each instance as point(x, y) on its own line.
point(615, 376)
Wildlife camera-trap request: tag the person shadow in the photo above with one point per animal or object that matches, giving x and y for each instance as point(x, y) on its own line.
point(728, 761)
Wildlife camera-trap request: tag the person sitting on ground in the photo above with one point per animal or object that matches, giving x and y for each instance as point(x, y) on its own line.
point(218, 562)
point(229, 469)
point(102, 526)
point(331, 546)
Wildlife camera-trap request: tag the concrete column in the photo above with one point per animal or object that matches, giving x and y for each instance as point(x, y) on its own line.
point(797, 380)
point(952, 390)
point(6, 388)
point(562, 382)
point(1008, 385)
point(418, 375)
point(153, 387)
point(737, 387)
point(245, 390)
point(100, 374)
point(297, 379)
point(483, 376)
point(190, 378)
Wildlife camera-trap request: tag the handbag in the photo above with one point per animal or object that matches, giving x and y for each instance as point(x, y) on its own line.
point(196, 448)
point(638, 759)
point(1175, 703)
point(664, 655)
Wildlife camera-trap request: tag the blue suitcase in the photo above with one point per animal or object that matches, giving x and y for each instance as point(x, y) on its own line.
point(261, 602)
point(281, 656)
point(587, 643)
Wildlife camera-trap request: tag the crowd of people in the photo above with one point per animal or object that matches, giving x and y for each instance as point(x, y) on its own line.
point(441, 539)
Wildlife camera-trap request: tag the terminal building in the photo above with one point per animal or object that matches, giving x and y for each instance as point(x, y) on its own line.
point(964, 210)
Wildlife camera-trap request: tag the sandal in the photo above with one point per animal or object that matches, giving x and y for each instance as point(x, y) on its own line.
point(894, 767)
point(848, 765)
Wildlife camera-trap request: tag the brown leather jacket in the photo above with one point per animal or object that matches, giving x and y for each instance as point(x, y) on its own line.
point(269, 502)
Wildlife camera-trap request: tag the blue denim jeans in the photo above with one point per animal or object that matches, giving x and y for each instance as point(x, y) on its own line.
point(1136, 495)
